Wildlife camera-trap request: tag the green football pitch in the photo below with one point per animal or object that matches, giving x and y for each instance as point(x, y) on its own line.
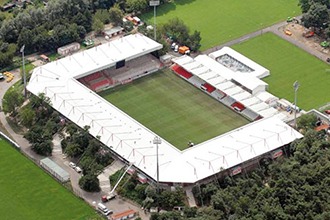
point(288, 63)
point(174, 109)
point(220, 21)
point(27, 192)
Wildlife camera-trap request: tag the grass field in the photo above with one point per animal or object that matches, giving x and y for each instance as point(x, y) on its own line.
point(220, 21)
point(29, 193)
point(288, 63)
point(174, 109)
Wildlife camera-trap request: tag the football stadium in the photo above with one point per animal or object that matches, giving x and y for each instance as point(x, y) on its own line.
point(226, 76)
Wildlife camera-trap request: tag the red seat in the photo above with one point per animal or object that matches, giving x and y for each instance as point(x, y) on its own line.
point(179, 70)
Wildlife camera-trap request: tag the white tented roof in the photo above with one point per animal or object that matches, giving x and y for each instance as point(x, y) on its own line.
point(250, 83)
point(258, 70)
point(134, 142)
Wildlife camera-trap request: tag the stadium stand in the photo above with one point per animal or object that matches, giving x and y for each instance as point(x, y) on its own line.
point(238, 106)
point(196, 81)
point(228, 101)
point(218, 94)
point(92, 77)
point(182, 72)
point(100, 85)
point(248, 113)
point(208, 87)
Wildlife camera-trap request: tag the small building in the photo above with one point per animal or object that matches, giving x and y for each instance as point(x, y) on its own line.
point(124, 215)
point(54, 169)
point(113, 31)
point(68, 49)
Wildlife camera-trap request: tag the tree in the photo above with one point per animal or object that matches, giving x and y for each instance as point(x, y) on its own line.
point(27, 116)
point(11, 101)
point(24, 38)
point(89, 183)
point(44, 147)
point(7, 52)
point(307, 121)
point(116, 15)
point(317, 16)
point(176, 30)
point(97, 26)
point(195, 41)
point(102, 15)
point(136, 6)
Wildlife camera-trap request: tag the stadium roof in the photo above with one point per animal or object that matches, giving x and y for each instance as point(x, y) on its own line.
point(134, 142)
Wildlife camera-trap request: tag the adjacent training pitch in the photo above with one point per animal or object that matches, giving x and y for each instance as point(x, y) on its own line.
point(289, 63)
point(174, 109)
point(27, 192)
point(220, 21)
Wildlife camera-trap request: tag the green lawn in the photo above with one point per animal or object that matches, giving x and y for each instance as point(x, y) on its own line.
point(288, 63)
point(174, 109)
point(27, 192)
point(220, 21)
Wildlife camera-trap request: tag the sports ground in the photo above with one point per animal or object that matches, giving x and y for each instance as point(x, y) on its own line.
point(27, 192)
point(288, 63)
point(220, 21)
point(174, 109)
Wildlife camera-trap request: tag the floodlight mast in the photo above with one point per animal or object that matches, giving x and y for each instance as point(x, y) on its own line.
point(157, 141)
point(295, 87)
point(24, 75)
point(154, 3)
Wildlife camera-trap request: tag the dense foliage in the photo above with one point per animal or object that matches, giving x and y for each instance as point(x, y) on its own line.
point(316, 15)
point(145, 194)
point(41, 128)
point(91, 155)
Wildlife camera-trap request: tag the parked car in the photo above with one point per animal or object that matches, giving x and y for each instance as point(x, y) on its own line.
point(287, 32)
point(2, 77)
point(72, 165)
point(78, 169)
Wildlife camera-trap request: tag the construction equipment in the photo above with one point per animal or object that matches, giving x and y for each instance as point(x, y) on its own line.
point(112, 194)
point(308, 34)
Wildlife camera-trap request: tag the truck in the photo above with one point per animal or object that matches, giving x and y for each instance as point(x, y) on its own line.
point(184, 50)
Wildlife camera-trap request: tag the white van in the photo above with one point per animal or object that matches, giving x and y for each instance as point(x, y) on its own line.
point(105, 211)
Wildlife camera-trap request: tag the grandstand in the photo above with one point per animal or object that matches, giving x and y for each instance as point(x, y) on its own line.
point(133, 142)
point(236, 78)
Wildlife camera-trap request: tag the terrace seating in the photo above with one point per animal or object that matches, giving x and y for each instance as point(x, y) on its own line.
point(97, 86)
point(228, 101)
point(182, 72)
point(238, 106)
point(208, 87)
point(248, 113)
point(218, 94)
point(92, 77)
